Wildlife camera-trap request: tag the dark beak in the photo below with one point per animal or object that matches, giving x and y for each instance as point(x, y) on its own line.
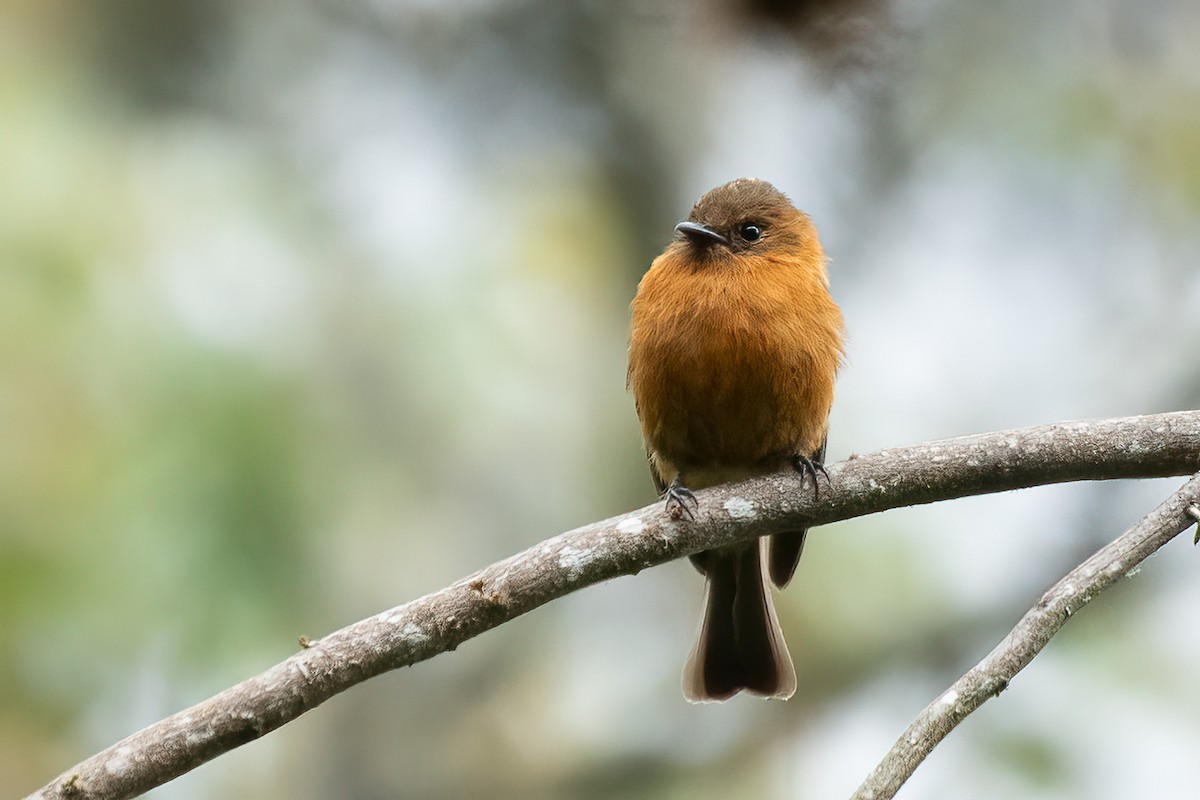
point(701, 235)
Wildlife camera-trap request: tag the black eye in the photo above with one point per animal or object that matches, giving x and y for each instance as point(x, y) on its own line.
point(750, 231)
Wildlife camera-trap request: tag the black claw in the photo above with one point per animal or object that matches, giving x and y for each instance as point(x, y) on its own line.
point(808, 467)
point(681, 502)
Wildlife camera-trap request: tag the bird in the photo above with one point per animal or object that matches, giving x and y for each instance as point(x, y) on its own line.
point(734, 348)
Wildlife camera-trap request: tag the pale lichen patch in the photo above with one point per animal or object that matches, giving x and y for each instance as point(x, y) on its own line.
point(119, 762)
point(739, 508)
point(632, 525)
point(1067, 590)
point(414, 632)
point(573, 559)
point(197, 738)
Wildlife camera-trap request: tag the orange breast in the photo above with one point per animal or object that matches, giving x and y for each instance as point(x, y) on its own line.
point(733, 365)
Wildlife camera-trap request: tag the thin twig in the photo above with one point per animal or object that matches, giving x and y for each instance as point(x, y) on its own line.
point(1132, 447)
point(991, 676)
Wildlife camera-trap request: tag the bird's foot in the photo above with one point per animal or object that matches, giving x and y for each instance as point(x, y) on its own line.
point(681, 502)
point(808, 467)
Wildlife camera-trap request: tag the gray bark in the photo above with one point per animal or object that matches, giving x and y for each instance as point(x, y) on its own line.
point(991, 676)
point(1134, 447)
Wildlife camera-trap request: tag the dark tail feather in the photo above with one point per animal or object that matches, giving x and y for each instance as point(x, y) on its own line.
point(784, 555)
point(786, 547)
point(740, 644)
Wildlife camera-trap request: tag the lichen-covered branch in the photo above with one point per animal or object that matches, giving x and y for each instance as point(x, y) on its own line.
point(1134, 447)
point(992, 675)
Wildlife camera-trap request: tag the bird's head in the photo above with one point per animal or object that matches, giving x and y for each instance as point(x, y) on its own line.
point(745, 217)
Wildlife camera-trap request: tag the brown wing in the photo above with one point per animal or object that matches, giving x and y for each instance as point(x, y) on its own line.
point(660, 485)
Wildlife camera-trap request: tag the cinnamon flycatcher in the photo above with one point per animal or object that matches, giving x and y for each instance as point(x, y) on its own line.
point(734, 347)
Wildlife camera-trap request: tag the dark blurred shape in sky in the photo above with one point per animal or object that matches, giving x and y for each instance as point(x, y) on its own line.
point(843, 35)
point(159, 56)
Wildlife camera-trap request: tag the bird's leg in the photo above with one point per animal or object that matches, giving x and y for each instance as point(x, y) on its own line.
point(681, 503)
point(810, 467)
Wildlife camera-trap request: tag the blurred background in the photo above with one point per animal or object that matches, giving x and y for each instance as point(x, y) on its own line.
point(306, 311)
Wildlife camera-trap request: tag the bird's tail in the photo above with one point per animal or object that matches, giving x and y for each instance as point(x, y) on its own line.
point(740, 645)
